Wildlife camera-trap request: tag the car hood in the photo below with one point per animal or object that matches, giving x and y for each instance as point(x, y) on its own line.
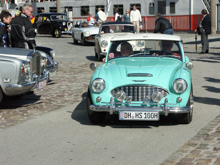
point(132, 70)
point(109, 36)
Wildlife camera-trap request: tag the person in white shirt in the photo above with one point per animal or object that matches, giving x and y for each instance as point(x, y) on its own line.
point(135, 17)
point(90, 20)
point(101, 16)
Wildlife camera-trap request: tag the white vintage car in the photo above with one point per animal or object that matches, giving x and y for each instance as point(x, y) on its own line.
point(84, 33)
point(107, 31)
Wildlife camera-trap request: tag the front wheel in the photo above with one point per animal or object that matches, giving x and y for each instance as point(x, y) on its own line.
point(57, 33)
point(74, 40)
point(84, 42)
point(94, 117)
point(186, 118)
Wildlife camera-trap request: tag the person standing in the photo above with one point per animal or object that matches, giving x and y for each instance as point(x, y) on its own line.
point(127, 16)
point(22, 31)
point(204, 29)
point(90, 20)
point(163, 25)
point(135, 18)
point(117, 16)
point(101, 16)
point(5, 17)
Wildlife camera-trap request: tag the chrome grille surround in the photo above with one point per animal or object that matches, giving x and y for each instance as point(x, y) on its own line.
point(140, 92)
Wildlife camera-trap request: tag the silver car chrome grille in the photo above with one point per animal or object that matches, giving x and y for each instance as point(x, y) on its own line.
point(140, 92)
point(36, 64)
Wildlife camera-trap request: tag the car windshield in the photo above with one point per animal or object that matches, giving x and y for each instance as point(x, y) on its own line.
point(145, 48)
point(117, 28)
point(59, 18)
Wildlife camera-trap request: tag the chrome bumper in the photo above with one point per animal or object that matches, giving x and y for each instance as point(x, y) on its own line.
point(164, 108)
point(22, 88)
point(53, 68)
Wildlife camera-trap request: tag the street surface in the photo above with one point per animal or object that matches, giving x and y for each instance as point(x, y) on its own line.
point(50, 126)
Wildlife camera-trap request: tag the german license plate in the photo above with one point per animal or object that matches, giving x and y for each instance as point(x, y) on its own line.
point(139, 115)
point(42, 84)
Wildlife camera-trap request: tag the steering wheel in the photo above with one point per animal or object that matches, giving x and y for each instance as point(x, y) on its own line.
point(166, 52)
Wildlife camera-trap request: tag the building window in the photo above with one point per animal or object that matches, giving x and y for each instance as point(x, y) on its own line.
point(138, 6)
point(84, 10)
point(162, 7)
point(40, 10)
point(53, 9)
point(100, 6)
point(68, 8)
point(172, 8)
point(120, 9)
point(151, 8)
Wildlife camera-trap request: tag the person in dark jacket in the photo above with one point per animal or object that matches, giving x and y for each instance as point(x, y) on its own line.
point(22, 31)
point(5, 19)
point(204, 29)
point(163, 25)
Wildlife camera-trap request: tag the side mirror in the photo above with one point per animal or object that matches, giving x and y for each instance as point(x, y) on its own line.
point(92, 66)
point(189, 65)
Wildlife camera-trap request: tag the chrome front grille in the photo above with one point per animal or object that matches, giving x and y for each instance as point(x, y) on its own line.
point(140, 92)
point(36, 64)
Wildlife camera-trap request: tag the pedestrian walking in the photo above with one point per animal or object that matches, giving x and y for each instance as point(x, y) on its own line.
point(90, 20)
point(127, 16)
point(135, 18)
point(204, 29)
point(163, 25)
point(5, 19)
point(117, 16)
point(22, 31)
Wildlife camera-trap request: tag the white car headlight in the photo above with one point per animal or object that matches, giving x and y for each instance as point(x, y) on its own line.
point(98, 85)
point(52, 53)
point(64, 23)
point(179, 85)
point(140, 43)
point(104, 43)
point(87, 33)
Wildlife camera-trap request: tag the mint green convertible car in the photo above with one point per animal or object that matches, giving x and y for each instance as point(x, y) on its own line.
point(143, 77)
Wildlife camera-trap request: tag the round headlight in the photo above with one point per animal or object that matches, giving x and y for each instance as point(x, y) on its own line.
point(64, 23)
point(156, 96)
point(104, 43)
point(98, 85)
point(52, 53)
point(179, 85)
point(140, 43)
point(87, 33)
point(120, 95)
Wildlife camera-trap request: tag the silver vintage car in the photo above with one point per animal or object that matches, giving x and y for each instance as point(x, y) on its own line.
point(21, 70)
point(85, 34)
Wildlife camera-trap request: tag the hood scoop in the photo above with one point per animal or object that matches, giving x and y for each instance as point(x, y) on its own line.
point(139, 75)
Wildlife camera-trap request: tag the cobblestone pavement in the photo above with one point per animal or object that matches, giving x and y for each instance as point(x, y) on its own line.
point(70, 85)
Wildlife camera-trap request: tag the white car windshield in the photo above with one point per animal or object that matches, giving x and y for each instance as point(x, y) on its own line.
point(145, 48)
point(59, 18)
point(117, 29)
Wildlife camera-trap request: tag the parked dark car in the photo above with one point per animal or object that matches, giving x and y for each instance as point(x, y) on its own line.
point(52, 23)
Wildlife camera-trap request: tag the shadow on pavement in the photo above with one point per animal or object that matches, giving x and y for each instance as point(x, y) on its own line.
point(20, 101)
point(207, 100)
point(199, 40)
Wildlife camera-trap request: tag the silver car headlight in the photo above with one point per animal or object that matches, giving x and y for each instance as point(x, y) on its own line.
point(52, 53)
point(87, 33)
point(140, 43)
point(43, 62)
point(104, 43)
point(179, 85)
point(26, 67)
point(120, 95)
point(64, 23)
point(98, 85)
